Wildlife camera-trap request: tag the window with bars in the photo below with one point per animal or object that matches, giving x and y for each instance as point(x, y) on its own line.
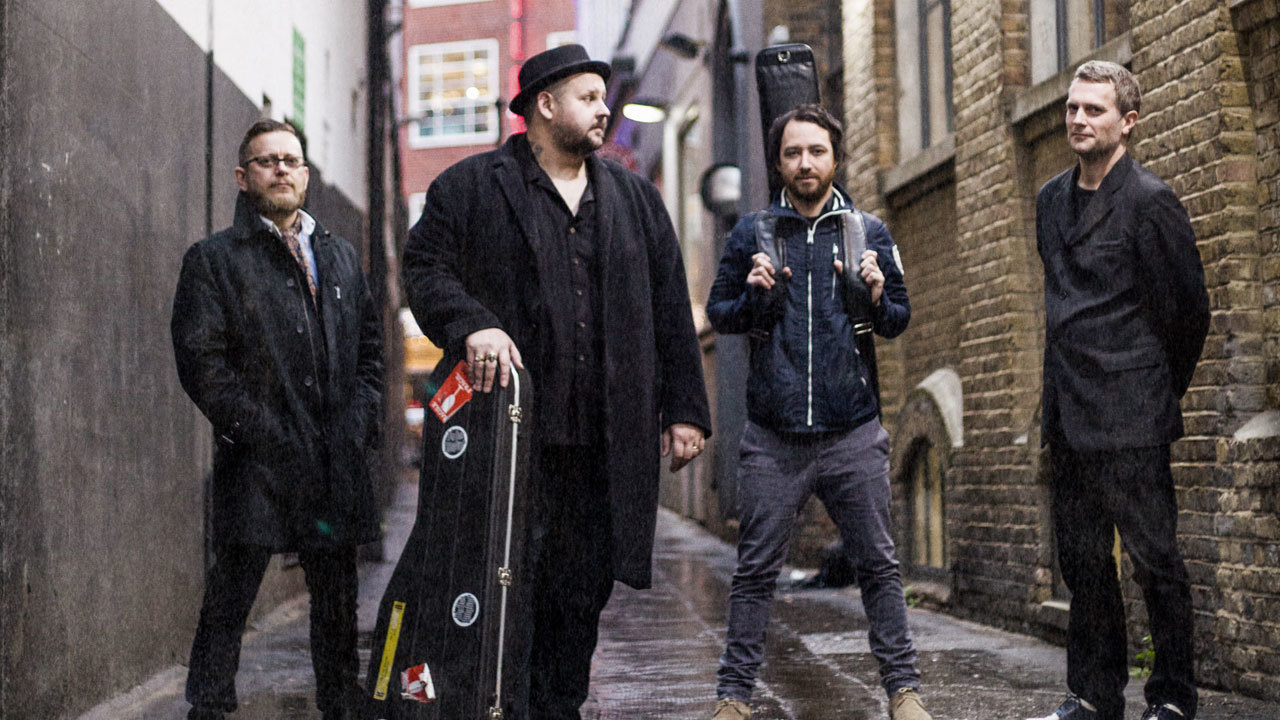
point(923, 33)
point(1064, 31)
point(452, 92)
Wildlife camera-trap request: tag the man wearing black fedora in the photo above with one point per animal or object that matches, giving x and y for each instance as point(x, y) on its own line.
point(540, 255)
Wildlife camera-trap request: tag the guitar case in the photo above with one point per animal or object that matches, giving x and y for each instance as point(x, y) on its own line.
point(450, 620)
point(786, 77)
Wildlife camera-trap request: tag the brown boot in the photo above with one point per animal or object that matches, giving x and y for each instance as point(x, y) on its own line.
point(730, 709)
point(906, 705)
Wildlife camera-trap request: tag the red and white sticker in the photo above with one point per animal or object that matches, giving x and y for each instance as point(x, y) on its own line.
point(453, 394)
point(417, 685)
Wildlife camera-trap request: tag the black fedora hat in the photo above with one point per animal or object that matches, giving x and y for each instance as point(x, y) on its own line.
point(543, 69)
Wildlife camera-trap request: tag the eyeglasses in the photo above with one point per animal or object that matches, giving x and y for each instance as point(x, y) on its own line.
point(269, 162)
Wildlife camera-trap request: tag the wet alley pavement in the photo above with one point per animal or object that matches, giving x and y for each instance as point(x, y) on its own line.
point(658, 651)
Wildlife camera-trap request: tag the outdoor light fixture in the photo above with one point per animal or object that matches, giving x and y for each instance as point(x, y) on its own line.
point(645, 111)
point(721, 188)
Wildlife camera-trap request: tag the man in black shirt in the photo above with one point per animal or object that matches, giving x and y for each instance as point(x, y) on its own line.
point(539, 254)
point(1125, 318)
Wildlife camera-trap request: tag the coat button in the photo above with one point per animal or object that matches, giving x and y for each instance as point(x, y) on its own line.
point(289, 282)
point(308, 381)
point(299, 328)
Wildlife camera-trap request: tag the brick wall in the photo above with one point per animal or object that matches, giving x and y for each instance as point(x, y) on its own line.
point(997, 554)
point(473, 21)
point(1210, 127)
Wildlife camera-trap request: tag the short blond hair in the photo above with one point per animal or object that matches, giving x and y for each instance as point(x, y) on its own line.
point(1128, 94)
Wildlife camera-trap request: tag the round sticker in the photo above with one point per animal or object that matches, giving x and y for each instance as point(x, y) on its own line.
point(454, 442)
point(466, 608)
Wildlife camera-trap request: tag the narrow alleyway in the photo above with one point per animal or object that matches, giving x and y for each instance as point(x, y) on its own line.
point(658, 651)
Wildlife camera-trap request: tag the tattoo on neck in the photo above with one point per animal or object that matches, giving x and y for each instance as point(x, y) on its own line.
point(537, 149)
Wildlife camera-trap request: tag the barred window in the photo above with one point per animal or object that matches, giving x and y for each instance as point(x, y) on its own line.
point(452, 92)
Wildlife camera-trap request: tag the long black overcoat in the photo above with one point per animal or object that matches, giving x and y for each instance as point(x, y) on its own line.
point(473, 261)
point(292, 388)
point(1126, 311)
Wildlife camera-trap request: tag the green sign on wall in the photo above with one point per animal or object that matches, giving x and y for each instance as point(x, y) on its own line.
point(299, 118)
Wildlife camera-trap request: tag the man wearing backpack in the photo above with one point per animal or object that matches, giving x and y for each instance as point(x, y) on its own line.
point(812, 403)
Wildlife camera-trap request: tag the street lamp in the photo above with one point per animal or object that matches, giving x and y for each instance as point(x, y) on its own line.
point(644, 110)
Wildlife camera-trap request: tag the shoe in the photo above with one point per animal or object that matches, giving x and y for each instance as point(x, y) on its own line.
point(1073, 708)
point(199, 713)
point(1167, 711)
point(906, 705)
point(730, 709)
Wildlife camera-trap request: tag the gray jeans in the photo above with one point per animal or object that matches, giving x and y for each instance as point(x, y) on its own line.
point(849, 472)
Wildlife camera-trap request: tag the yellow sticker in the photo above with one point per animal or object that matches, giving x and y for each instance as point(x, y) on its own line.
point(389, 650)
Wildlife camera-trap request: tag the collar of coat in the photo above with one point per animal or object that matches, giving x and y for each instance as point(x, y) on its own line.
point(1073, 228)
point(608, 198)
point(248, 222)
point(783, 207)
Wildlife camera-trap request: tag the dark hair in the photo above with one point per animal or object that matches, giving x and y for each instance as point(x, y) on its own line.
point(262, 127)
point(1128, 94)
point(810, 113)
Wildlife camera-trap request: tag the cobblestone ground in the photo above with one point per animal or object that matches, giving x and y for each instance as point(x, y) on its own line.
point(658, 652)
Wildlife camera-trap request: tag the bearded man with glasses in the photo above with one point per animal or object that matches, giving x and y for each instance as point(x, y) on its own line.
point(278, 342)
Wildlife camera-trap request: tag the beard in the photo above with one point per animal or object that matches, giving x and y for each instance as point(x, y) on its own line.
point(279, 204)
point(573, 141)
point(809, 196)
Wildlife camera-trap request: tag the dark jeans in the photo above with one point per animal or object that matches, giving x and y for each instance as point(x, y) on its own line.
point(1132, 490)
point(572, 557)
point(230, 588)
point(849, 472)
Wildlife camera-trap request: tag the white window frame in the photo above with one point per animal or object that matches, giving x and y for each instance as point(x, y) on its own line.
point(1062, 32)
point(433, 3)
point(561, 37)
point(921, 124)
point(487, 103)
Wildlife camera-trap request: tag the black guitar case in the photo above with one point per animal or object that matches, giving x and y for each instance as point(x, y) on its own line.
point(448, 622)
point(785, 78)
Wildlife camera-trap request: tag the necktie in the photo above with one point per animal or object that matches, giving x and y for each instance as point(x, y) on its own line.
point(295, 247)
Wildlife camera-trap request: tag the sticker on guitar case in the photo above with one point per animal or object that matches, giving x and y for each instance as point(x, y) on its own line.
point(466, 608)
point(453, 394)
point(454, 442)
point(416, 684)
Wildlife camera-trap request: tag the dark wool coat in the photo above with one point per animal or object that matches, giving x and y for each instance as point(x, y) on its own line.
point(474, 261)
point(1126, 311)
point(292, 389)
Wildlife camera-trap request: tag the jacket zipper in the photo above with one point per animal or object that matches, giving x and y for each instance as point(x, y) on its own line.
point(813, 228)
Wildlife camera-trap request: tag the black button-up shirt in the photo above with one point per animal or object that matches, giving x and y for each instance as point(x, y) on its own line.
point(571, 389)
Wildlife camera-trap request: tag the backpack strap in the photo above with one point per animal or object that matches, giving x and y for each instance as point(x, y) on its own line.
point(857, 296)
point(767, 239)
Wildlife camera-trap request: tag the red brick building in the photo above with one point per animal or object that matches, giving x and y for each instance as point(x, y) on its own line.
point(461, 60)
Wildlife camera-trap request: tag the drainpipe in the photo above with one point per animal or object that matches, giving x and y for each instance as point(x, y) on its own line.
point(739, 56)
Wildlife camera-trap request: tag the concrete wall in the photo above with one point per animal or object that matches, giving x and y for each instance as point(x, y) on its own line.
point(963, 215)
point(103, 456)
